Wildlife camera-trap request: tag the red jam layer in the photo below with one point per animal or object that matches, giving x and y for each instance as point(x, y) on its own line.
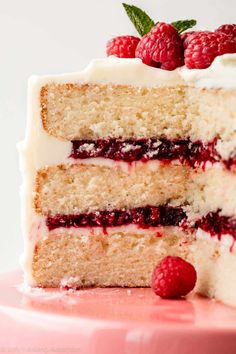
point(192, 153)
point(145, 217)
point(149, 216)
point(145, 150)
point(217, 225)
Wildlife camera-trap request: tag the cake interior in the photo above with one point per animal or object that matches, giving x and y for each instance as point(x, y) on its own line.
point(150, 173)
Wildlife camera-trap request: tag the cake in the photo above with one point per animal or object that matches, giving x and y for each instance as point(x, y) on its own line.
point(124, 164)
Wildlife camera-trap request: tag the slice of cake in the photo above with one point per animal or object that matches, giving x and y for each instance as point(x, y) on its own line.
point(125, 164)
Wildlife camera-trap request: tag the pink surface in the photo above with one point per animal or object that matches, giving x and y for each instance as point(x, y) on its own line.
point(111, 321)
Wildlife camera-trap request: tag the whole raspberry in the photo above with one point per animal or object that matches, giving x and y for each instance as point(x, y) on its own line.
point(186, 36)
point(173, 278)
point(123, 46)
point(203, 47)
point(162, 47)
point(230, 30)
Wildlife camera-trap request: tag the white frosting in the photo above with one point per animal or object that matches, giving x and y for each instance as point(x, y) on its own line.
point(40, 149)
point(226, 240)
point(37, 150)
point(221, 73)
point(84, 232)
point(117, 71)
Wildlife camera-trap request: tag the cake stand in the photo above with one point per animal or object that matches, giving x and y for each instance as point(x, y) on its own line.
point(110, 321)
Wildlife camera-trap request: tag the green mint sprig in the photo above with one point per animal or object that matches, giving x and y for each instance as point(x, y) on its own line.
point(183, 25)
point(143, 22)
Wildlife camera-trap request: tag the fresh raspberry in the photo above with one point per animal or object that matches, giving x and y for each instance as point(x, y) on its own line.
point(230, 30)
point(161, 47)
point(203, 47)
point(123, 46)
point(185, 37)
point(173, 278)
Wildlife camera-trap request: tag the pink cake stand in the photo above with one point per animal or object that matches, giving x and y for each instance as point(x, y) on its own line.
point(110, 321)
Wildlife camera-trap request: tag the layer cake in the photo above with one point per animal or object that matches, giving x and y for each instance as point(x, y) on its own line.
point(124, 164)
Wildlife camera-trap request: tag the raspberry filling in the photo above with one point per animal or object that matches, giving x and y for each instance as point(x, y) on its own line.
point(192, 153)
point(217, 224)
point(143, 217)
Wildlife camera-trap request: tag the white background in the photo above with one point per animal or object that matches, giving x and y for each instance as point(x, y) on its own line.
point(55, 36)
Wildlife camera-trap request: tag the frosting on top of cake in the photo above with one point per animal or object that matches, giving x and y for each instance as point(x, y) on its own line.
point(115, 70)
point(221, 73)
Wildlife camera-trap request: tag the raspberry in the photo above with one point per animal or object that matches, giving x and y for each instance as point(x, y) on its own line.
point(123, 46)
point(185, 37)
point(173, 278)
point(230, 30)
point(162, 47)
point(203, 47)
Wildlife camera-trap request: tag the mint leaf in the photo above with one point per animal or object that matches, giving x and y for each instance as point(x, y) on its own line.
point(142, 22)
point(183, 25)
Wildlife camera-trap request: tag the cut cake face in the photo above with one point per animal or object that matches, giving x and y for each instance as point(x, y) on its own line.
point(124, 164)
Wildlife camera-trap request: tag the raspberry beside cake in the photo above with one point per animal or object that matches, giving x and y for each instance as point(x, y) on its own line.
point(124, 164)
